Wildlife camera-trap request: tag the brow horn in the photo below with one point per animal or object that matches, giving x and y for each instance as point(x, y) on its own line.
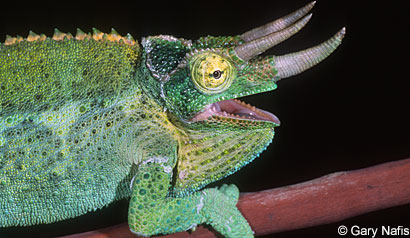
point(250, 49)
point(278, 24)
point(295, 63)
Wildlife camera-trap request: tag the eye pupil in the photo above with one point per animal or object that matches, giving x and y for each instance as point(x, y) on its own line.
point(217, 74)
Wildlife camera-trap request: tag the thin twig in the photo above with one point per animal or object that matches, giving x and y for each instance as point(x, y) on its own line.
point(327, 199)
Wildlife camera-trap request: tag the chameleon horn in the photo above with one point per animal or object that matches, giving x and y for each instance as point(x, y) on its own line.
point(278, 24)
point(248, 50)
point(295, 63)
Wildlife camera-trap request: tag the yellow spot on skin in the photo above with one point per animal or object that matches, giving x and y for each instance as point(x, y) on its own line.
point(82, 36)
point(98, 36)
point(12, 40)
point(33, 37)
point(59, 36)
point(114, 37)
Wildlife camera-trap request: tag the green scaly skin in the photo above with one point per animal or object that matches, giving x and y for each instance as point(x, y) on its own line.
point(92, 119)
point(81, 119)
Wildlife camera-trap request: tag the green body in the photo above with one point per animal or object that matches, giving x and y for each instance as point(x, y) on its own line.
point(62, 146)
point(76, 124)
point(91, 119)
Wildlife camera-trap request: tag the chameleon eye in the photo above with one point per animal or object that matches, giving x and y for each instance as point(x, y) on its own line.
point(217, 74)
point(211, 73)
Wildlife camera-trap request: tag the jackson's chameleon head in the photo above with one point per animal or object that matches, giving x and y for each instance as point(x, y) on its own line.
point(199, 82)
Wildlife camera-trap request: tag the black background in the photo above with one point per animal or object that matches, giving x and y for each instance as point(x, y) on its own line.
point(349, 112)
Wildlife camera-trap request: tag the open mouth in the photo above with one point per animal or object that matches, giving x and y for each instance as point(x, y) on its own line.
point(235, 109)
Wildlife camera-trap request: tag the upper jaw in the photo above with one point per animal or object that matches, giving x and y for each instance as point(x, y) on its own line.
point(235, 109)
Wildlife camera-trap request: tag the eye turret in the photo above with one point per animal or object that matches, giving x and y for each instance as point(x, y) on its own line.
point(211, 73)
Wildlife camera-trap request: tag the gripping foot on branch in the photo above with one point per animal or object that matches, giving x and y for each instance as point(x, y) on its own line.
point(153, 212)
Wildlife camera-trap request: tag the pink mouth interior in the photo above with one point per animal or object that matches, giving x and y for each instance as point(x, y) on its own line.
point(236, 109)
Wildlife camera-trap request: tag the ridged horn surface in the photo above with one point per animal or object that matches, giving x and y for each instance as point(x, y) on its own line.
point(248, 50)
point(278, 24)
point(295, 63)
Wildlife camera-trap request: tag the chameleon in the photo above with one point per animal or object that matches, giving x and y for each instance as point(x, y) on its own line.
point(94, 118)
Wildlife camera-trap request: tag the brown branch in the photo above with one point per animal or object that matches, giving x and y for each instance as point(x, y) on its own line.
point(327, 199)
